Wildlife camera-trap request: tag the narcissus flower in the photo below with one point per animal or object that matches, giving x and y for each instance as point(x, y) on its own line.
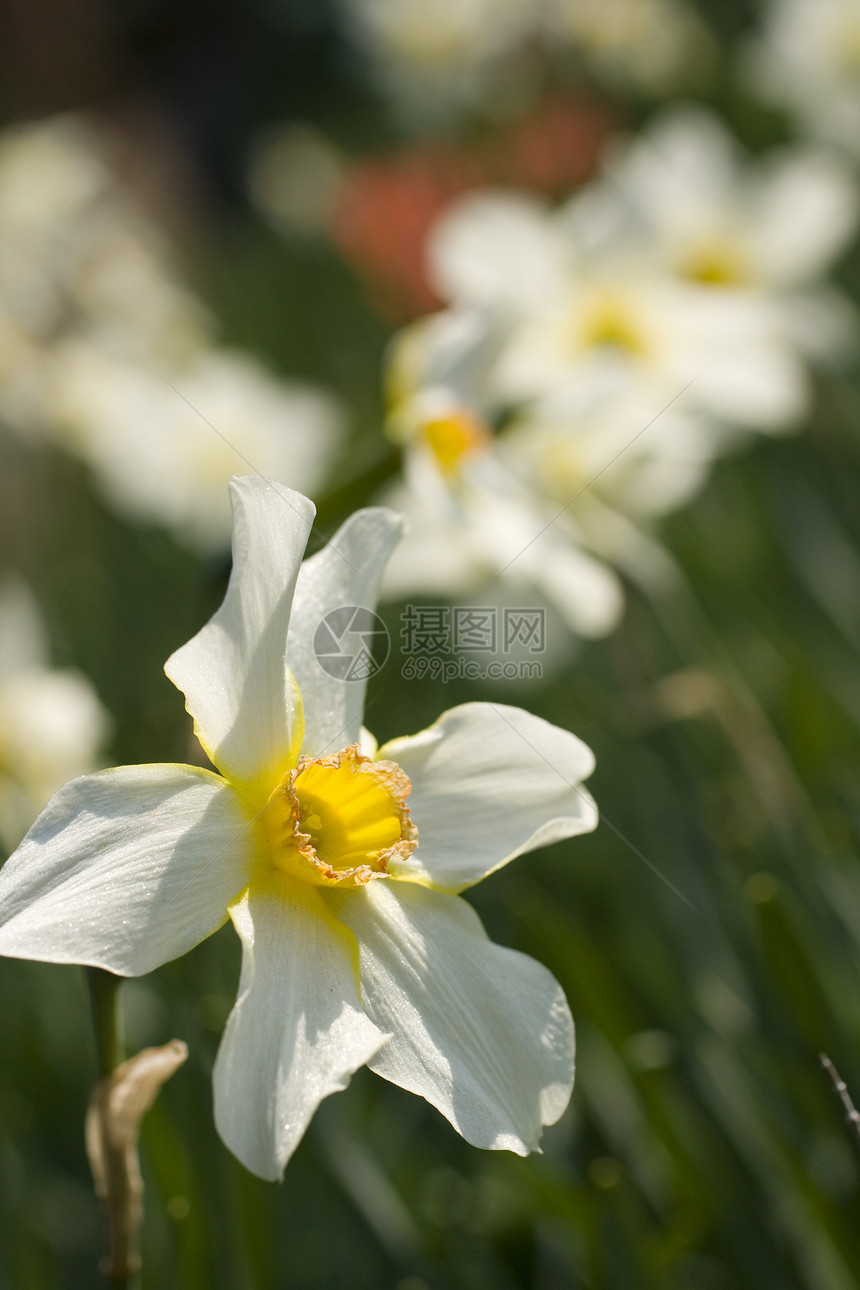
point(340, 865)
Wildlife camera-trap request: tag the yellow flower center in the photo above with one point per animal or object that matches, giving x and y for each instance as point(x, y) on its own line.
point(454, 437)
point(339, 821)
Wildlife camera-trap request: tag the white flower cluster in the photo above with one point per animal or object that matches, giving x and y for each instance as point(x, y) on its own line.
point(104, 350)
point(51, 722)
point(596, 358)
point(435, 54)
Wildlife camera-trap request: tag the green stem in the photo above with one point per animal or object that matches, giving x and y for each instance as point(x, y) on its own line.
point(107, 1030)
point(107, 1027)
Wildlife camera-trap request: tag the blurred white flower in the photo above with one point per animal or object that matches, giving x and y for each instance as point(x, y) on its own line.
point(475, 526)
point(162, 442)
point(433, 55)
point(652, 44)
point(340, 864)
point(769, 226)
point(487, 536)
point(807, 59)
point(593, 303)
point(76, 253)
point(596, 358)
point(95, 329)
point(50, 173)
point(124, 292)
point(723, 219)
point(590, 443)
point(52, 726)
point(442, 364)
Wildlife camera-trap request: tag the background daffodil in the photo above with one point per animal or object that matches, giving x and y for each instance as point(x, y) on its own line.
point(340, 865)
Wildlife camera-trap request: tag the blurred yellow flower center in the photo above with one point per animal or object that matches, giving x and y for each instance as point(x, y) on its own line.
point(455, 437)
point(340, 820)
point(716, 264)
point(608, 324)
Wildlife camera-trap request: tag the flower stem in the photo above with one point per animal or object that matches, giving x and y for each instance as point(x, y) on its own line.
point(107, 1027)
point(107, 1030)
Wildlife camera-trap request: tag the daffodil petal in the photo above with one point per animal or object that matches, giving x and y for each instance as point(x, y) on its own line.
point(345, 574)
point(490, 782)
point(808, 206)
point(498, 247)
point(297, 1032)
point(126, 869)
point(482, 1032)
point(233, 672)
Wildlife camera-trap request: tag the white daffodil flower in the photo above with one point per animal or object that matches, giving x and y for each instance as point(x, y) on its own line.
point(339, 865)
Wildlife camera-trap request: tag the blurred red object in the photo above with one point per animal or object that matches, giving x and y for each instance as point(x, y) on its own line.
point(387, 205)
point(555, 147)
